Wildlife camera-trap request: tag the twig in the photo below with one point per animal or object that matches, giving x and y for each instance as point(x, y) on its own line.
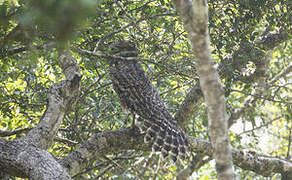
point(13, 132)
point(284, 72)
point(66, 141)
point(263, 125)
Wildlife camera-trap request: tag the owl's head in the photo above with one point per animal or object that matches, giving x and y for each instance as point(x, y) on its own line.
point(124, 48)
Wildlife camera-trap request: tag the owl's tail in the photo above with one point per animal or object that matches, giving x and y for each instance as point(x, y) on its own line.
point(168, 139)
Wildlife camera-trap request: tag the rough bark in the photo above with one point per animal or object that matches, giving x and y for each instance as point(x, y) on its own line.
point(13, 132)
point(190, 104)
point(131, 139)
point(195, 18)
point(25, 157)
point(127, 139)
point(19, 158)
point(103, 143)
point(61, 96)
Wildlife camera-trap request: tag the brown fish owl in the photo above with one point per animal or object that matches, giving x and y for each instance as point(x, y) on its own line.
point(137, 94)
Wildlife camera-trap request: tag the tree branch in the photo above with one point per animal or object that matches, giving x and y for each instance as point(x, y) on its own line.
point(195, 18)
point(194, 97)
point(190, 104)
point(61, 96)
point(261, 81)
point(103, 143)
point(25, 48)
point(259, 90)
point(195, 164)
point(22, 156)
point(18, 158)
point(13, 132)
point(115, 141)
point(272, 39)
point(283, 73)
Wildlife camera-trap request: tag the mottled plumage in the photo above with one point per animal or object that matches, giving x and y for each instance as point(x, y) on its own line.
point(137, 94)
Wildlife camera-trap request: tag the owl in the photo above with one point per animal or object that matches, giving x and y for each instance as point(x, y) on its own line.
point(137, 93)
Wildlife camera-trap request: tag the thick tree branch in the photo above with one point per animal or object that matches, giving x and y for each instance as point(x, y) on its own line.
point(115, 141)
point(189, 106)
point(18, 158)
point(249, 160)
point(22, 156)
point(195, 18)
point(101, 144)
point(61, 96)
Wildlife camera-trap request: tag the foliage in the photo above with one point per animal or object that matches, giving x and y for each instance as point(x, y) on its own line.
point(29, 66)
